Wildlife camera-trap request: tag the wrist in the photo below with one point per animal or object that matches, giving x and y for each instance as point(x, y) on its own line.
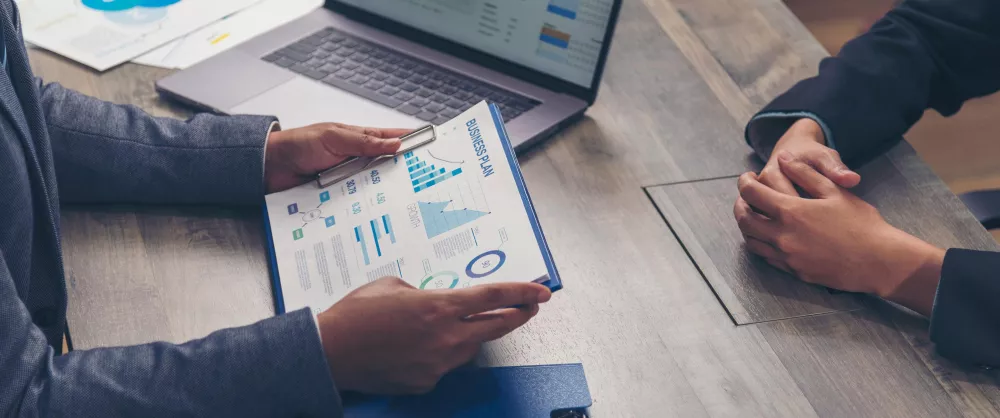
point(326, 323)
point(806, 128)
point(916, 274)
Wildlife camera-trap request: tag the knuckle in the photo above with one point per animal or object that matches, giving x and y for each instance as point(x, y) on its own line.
point(450, 341)
point(783, 243)
point(743, 221)
point(494, 294)
point(435, 311)
point(781, 211)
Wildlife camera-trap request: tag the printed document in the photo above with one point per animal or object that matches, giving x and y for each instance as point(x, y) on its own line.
point(104, 33)
point(451, 214)
point(227, 33)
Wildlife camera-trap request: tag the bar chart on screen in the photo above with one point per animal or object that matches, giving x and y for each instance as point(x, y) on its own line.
point(573, 32)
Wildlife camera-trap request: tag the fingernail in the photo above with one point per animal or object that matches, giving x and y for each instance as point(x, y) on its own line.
point(785, 156)
point(544, 296)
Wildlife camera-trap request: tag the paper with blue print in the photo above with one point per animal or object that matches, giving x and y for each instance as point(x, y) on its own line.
point(104, 33)
point(451, 214)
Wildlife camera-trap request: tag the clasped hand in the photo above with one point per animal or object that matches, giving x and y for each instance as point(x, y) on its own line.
point(829, 236)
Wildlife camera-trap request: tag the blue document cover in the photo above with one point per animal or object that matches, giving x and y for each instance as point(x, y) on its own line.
point(453, 213)
point(502, 392)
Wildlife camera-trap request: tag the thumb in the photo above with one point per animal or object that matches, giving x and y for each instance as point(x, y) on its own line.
point(829, 164)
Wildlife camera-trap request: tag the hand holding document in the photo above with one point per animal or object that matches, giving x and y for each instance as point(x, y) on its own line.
point(451, 214)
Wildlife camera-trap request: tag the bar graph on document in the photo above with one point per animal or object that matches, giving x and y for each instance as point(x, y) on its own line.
point(377, 232)
point(424, 175)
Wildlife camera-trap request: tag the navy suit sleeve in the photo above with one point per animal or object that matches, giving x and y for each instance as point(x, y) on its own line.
point(275, 368)
point(110, 153)
point(923, 54)
point(965, 324)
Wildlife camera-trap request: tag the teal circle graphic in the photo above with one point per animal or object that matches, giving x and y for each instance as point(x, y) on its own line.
point(137, 16)
point(451, 274)
point(120, 5)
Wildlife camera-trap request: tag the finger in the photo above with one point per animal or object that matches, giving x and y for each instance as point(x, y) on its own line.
point(780, 265)
point(364, 142)
point(772, 177)
point(763, 249)
point(490, 326)
point(489, 297)
point(761, 197)
point(384, 133)
point(829, 164)
point(753, 224)
point(806, 177)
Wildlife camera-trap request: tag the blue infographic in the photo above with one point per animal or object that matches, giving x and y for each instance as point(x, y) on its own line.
point(564, 8)
point(119, 5)
point(423, 175)
point(485, 264)
point(440, 280)
point(382, 234)
point(430, 217)
point(437, 220)
point(311, 215)
point(131, 12)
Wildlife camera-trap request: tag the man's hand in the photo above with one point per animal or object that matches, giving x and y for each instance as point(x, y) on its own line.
point(805, 141)
point(835, 239)
point(389, 338)
point(295, 156)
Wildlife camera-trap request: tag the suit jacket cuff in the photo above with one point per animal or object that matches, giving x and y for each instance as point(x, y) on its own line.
point(965, 324)
point(838, 100)
point(766, 128)
point(295, 365)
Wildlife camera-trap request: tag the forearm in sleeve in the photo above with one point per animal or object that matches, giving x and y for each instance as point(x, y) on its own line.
point(106, 152)
point(275, 368)
point(965, 323)
point(923, 54)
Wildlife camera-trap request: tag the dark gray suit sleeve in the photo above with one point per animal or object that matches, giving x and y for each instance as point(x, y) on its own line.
point(106, 152)
point(274, 368)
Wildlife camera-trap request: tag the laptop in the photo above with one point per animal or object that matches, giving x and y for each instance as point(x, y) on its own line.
point(408, 63)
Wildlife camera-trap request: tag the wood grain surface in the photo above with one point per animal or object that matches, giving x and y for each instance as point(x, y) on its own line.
point(701, 215)
point(683, 77)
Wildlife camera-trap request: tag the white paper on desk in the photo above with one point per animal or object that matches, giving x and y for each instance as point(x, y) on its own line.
point(104, 33)
point(469, 225)
point(227, 33)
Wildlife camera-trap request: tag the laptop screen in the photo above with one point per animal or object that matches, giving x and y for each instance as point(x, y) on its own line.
point(561, 38)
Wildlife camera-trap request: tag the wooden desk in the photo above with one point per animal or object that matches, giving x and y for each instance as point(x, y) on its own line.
point(641, 309)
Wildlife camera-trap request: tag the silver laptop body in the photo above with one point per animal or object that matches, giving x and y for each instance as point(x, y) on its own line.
point(407, 73)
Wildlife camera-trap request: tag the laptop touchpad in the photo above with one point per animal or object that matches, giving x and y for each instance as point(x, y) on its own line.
point(301, 101)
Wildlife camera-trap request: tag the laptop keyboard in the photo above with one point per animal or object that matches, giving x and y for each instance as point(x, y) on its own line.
point(396, 80)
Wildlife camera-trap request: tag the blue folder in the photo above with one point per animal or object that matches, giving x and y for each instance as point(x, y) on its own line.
point(501, 392)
